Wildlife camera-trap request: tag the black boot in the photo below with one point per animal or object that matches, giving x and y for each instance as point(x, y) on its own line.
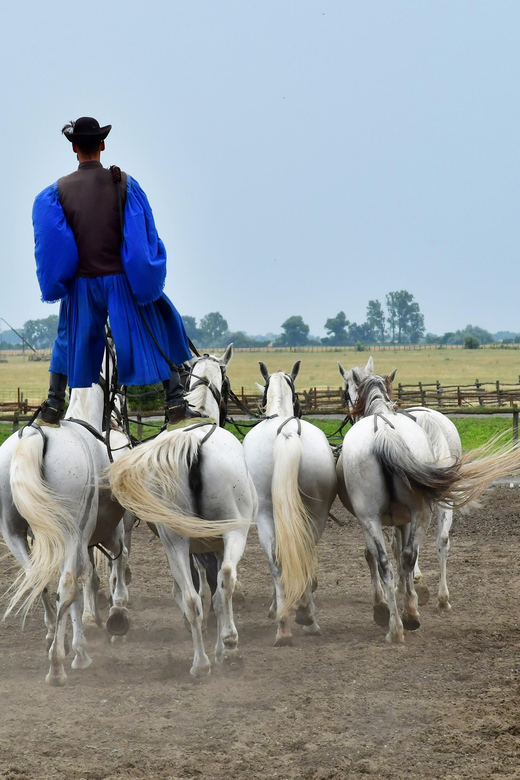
point(53, 409)
point(176, 407)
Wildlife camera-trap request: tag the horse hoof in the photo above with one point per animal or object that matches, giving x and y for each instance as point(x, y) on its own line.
point(444, 606)
point(395, 639)
point(56, 680)
point(312, 630)
point(283, 641)
point(382, 614)
point(423, 594)
point(81, 662)
point(200, 672)
point(232, 663)
point(118, 621)
point(410, 623)
point(128, 575)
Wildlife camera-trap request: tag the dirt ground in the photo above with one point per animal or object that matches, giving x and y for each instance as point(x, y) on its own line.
point(343, 705)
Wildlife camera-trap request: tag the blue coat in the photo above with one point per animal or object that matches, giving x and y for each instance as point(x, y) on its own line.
point(87, 301)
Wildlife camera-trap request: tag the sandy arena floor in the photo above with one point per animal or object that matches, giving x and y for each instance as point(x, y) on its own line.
point(344, 705)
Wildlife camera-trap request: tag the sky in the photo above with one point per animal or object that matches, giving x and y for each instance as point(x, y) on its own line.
point(300, 156)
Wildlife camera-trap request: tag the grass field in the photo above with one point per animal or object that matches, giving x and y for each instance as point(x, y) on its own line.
point(319, 369)
point(473, 431)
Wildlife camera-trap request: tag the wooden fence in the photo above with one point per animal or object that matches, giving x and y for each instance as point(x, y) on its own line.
point(329, 400)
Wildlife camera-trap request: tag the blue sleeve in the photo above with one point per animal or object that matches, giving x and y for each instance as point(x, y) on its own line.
point(54, 246)
point(143, 252)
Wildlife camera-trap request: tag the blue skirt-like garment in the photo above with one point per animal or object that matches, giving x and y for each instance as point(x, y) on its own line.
point(79, 346)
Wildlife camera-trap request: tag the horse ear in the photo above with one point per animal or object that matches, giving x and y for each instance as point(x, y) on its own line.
point(342, 371)
point(356, 377)
point(260, 387)
point(391, 376)
point(295, 370)
point(263, 371)
point(225, 360)
point(369, 368)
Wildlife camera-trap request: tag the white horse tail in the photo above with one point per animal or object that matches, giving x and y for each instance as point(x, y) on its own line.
point(51, 522)
point(295, 544)
point(151, 480)
point(456, 484)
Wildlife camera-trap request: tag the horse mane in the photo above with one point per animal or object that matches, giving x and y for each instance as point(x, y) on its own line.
point(373, 390)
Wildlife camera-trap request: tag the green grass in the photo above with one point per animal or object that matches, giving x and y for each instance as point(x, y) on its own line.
point(474, 431)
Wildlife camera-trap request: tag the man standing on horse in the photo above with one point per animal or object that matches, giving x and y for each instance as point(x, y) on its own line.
point(97, 250)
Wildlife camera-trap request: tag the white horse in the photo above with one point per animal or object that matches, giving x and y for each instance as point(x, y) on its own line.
point(446, 442)
point(53, 485)
point(390, 475)
point(292, 467)
point(193, 482)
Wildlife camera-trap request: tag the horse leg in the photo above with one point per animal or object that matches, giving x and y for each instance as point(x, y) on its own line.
point(92, 621)
point(177, 550)
point(129, 521)
point(226, 650)
point(81, 658)
point(380, 609)
point(375, 542)
point(444, 521)
point(49, 617)
point(413, 535)
point(67, 590)
point(423, 592)
point(118, 621)
point(266, 535)
point(410, 616)
point(305, 616)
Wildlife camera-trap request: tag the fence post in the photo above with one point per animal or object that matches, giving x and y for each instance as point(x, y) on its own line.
point(16, 420)
point(422, 393)
point(315, 400)
point(18, 400)
point(139, 425)
point(515, 426)
point(498, 392)
point(459, 397)
point(439, 393)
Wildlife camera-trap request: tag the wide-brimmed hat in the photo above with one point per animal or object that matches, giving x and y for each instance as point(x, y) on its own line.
point(86, 128)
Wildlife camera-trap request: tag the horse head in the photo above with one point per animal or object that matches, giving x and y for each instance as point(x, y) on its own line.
point(279, 392)
point(207, 385)
point(355, 382)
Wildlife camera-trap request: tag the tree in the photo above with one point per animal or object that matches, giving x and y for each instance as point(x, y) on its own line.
point(296, 332)
point(360, 334)
point(404, 317)
point(41, 333)
point(416, 327)
point(376, 319)
point(470, 342)
point(213, 329)
point(336, 327)
point(190, 324)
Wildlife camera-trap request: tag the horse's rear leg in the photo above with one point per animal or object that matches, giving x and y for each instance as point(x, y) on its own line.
point(81, 660)
point(177, 550)
point(444, 521)
point(380, 609)
point(92, 621)
point(226, 649)
point(118, 621)
point(410, 616)
point(67, 589)
point(305, 614)
point(375, 542)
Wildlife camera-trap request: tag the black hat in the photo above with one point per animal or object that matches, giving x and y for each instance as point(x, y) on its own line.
point(86, 128)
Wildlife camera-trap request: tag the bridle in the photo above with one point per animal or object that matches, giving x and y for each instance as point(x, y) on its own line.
point(294, 396)
point(220, 395)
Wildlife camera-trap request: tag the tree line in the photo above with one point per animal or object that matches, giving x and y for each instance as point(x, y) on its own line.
point(400, 321)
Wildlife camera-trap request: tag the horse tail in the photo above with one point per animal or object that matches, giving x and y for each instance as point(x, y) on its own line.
point(295, 544)
point(148, 479)
point(458, 483)
point(50, 521)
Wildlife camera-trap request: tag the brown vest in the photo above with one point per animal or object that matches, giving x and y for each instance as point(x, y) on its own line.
point(89, 201)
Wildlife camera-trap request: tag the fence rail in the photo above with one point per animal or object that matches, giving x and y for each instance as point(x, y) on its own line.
point(329, 400)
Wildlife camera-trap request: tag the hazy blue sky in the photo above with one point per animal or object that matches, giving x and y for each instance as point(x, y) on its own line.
point(300, 156)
